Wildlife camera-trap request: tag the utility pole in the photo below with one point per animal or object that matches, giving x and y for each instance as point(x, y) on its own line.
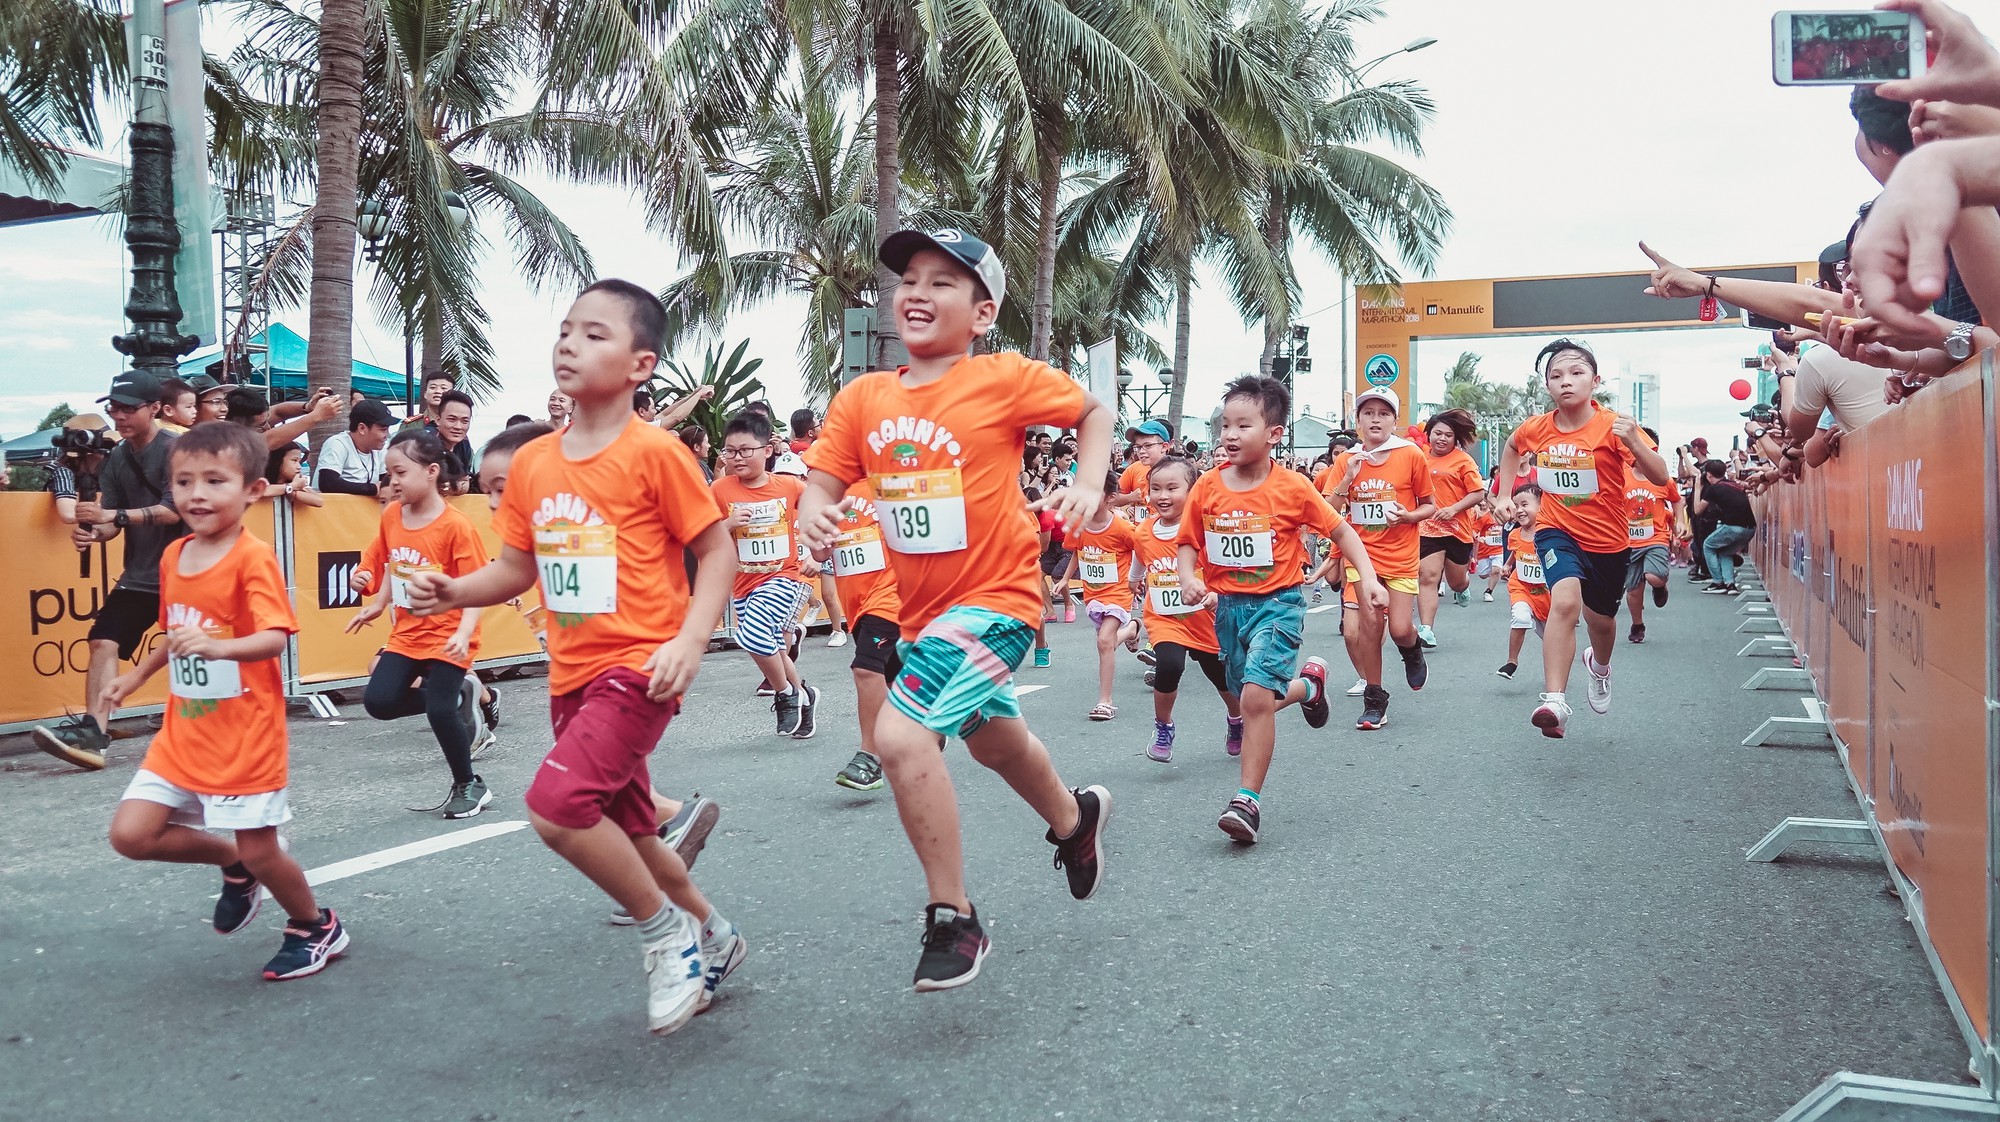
point(155, 340)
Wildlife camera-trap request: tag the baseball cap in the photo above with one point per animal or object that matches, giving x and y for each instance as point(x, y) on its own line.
point(969, 251)
point(1834, 254)
point(133, 387)
point(1150, 428)
point(202, 384)
point(1760, 411)
point(789, 464)
point(1379, 393)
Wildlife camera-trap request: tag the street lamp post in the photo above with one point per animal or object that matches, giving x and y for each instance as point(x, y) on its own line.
point(1145, 395)
point(154, 310)
point(372, 220)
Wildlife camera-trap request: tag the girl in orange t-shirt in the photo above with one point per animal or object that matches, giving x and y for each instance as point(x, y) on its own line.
point(422, 533)
point(1179, 631)
point(1489, 541)
point(1103, 549)
point(1447, 539)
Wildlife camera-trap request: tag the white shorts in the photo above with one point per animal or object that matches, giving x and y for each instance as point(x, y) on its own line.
point(217, 812)
point(1482, 567)
point(1521, 615)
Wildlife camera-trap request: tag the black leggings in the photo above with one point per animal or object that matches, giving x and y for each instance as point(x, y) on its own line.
point(390, 696)
point(1170, 662)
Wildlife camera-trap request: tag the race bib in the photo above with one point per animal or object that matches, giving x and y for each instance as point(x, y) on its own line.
point(921, 511)
point(1092, 568)
point(400, 573)
point(579, 569)
point(1492, 538)
point(765, 539)
point(1238, 542)
point(192, 676)
point(1639, 531)
point(1163, 595)
point(1529, 569)
point(1374, 514)
point(1563, 479)
point(858, 551)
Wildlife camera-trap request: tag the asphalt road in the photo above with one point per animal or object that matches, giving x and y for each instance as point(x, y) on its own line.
point(1453, 918)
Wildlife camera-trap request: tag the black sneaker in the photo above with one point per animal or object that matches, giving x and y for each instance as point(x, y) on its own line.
point(1660, 597)
point(1715, 588)
point(1416, 671)
point(1081, 854)
point(78, 740)
point(308, 948)
point(792, 645)
point(1147, 656)
point(238, 905)
point(1638, 634)
point(787, 707)
point(1241, 820)
point(1317, 710)
point(687, 831)
point(489, 710)
point(862, 773)
point(467, 799)
point(1374, 709)
point(468, 707)
point(1507, 670)
point(954, 946)
point(804, 730)
point(765, 689)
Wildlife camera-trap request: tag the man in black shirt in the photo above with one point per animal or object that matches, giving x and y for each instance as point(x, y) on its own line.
point(1735, 524)
point(138, 502)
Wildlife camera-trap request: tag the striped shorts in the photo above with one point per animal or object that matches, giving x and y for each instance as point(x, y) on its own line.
point(959, 674)
point(764, 616)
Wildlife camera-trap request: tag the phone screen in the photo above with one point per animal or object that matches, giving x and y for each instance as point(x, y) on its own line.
point(1847, 48)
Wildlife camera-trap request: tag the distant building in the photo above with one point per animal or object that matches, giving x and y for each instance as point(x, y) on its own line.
point(1639, 394)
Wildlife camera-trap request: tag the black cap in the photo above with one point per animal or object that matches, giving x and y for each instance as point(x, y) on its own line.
point(1834, 254)
point(1760, 411)
point(134, 387)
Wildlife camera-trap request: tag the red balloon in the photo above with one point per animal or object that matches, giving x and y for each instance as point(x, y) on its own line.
point(1740, 390)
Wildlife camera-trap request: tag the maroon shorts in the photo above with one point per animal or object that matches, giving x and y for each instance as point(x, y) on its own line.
point(597, 769)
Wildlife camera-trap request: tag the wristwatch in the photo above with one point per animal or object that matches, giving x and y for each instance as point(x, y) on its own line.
point(121, 519)
point(1958, 344)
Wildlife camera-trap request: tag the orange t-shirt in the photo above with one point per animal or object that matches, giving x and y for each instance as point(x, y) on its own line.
point(1583, 477)
point(767, 546)
point(450, 545)
point(224, 732)
point(944, 462)
point(1133, 478)
point(1454, 475)
point(861, 562)
point(608, 534)
point(1650, 513)
point(1402, 481)
point(1535, 592)
point(1167, 619)
point(1488, 538)
point(1249, 541)
point(1102, 554)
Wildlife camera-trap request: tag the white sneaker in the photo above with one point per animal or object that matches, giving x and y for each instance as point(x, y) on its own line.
point(1487, 596)
point(1359, 687)
point(720, 958)
point(675, 978)
point(1552, 715)
point(1600, 683)
point(837, 639)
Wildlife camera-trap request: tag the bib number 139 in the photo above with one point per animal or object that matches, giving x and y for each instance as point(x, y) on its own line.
point(921, 511)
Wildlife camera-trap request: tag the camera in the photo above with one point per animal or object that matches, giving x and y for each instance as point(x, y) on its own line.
point(73, 444)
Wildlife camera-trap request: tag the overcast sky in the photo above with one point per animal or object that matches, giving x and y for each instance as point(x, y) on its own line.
point(1558, 144)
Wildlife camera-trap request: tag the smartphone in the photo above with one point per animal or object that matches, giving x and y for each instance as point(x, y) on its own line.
point(1753, 363)
point(1756, 322)
point(1845, 48)
point(1818, 319)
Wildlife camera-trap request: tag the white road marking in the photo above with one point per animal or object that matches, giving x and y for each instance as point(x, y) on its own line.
point(395, 855)
point(1023, 690)
point(1321, 608)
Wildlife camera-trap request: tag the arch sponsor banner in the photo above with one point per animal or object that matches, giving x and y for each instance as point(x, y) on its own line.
point(54, 592)
point(1927, 548)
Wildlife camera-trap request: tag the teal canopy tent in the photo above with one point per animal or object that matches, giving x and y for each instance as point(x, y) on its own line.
point(287, 360)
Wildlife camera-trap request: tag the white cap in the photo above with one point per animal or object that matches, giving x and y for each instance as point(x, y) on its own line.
point(789, 463)
point(1382, 394)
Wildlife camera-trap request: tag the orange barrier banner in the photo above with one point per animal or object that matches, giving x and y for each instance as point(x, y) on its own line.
point(1844, 482)
point(58, 590)
point(1926, 566)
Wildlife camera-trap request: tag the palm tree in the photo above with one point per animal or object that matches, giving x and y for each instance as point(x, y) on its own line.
point(340, 37)
point(56, 57)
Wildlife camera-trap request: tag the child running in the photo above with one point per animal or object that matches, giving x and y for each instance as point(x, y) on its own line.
point(1240, 539)
point(1179, 628)
point(1447, 538)
point(939, 440)
point(1383, 486)
point(600, 514)
point(1653, 513)
point(760, 508)
point(868, 588)
point(1103, 548)
point(421, 532)
point(1527, 591)
point(1489, 543)
point(1582, 457)
point(220, 759)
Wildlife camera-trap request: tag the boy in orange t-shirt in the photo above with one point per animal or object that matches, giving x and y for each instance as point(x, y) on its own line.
point(1489, 542)
point(1242, 552)
point(1383, 487)
point(1527, 589)
point(1582, 456)
point(760, 510)
point(600, 513)
point(941, 440)
point(1179, 629)
point(1650, 522)
point(1103, 548)
point(220, 760)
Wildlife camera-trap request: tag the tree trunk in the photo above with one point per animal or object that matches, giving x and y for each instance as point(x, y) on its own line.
point(1049, 147)
point(1183, 322)
point(330, 359)
point(1277, 232)
point(888, 170)
point(433, 352)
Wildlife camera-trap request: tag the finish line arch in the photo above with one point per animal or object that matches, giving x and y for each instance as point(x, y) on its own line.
point(1386, 330)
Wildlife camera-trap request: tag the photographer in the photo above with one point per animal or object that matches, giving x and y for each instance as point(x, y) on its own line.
point(137, 501)
point(80, 449)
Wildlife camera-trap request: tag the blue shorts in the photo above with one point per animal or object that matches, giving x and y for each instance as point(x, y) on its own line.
point(1602, 575)
point(764, 617)
point(1260, 634)
point(959, 674)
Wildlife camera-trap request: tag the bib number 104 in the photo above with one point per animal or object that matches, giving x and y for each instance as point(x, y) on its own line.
point(560, 579)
